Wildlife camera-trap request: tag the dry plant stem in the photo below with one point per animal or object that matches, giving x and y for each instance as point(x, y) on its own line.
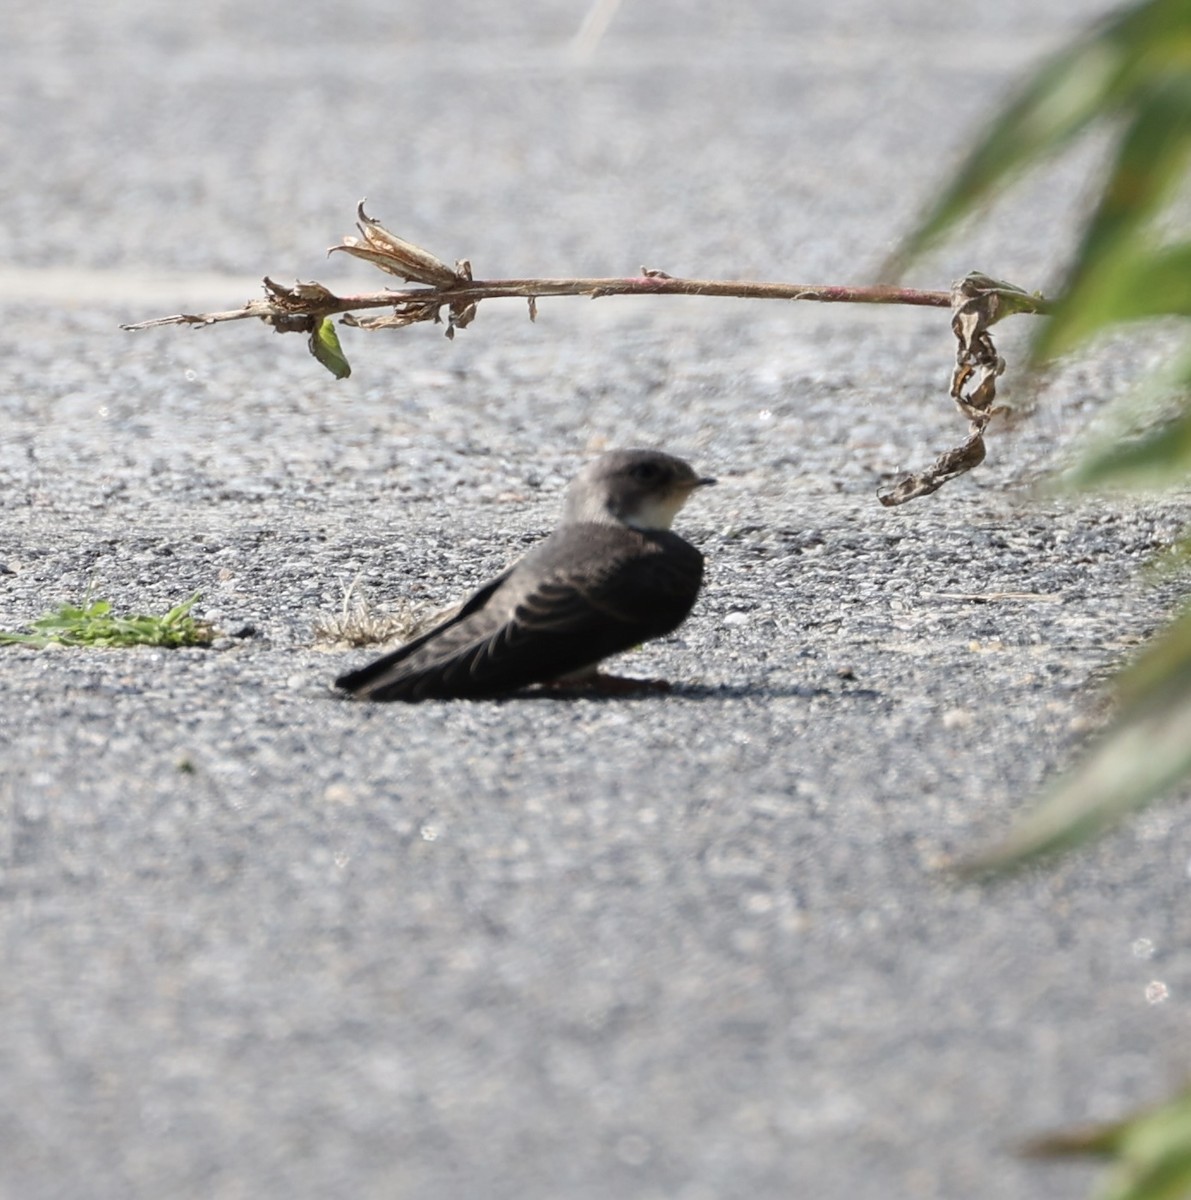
point(977, 302)
point(328, 304)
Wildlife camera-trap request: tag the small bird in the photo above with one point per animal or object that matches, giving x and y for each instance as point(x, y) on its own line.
point(610, 576)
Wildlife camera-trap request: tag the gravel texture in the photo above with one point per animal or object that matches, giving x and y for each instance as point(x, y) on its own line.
point(262, 942)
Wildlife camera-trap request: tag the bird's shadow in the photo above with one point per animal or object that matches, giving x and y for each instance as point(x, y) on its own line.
point(688, 691)
point(651, 690)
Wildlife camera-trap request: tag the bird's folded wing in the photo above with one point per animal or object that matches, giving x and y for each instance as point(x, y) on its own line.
point(569, 620)
point(629, 591)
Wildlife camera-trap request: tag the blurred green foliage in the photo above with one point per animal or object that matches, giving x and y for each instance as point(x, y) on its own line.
point(1131, 76)
point(1150, 1152)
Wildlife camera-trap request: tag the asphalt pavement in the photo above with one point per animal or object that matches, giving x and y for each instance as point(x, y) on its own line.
point(259, 941)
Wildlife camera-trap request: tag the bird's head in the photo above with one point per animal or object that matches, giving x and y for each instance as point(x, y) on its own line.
point(640, 488)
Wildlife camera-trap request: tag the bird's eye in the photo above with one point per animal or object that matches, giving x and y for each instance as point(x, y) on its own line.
point(647, 472)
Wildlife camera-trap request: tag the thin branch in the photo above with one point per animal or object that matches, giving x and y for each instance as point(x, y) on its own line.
point(299, 309)
point(977, 302)
point(651, 284)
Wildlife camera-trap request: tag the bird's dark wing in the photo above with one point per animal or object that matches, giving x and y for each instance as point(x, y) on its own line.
point(632, 582)
point(588, 592)
point(356, 681)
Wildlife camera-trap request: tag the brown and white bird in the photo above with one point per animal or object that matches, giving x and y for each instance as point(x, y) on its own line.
point(610, 576)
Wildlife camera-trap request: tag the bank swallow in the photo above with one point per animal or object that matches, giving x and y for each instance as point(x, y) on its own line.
point(610, 576)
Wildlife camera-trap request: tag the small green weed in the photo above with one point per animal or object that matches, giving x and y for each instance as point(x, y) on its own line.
point(94, 625)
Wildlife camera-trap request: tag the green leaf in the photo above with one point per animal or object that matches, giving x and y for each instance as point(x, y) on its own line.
point(21, 639)
point(1111, 263)
point(1144, 753)
point(1159, 458)
point(324, 345)
point(1097, 76)
point(1150, 1152)
point(175, 615)
point(1164, 663)
point(1147, 444)
point(1150, 283)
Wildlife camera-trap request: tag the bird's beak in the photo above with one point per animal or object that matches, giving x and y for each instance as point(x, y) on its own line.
point(689, 485)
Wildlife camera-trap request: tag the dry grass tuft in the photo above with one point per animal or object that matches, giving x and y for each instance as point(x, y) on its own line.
point(359, 623)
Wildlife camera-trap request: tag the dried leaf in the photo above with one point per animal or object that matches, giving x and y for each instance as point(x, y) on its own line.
point(302, 306)
point(397, 256)
point(977, 303)
point(401, 316)
point(957, 461)
point(461, 316)
point(306, 296)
